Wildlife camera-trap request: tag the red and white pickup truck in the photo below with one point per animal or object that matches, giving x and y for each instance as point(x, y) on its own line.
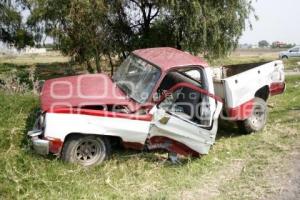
point(159, 98)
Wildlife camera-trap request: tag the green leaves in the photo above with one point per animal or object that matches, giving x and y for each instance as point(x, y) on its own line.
point(210, 27)
point(90, 30)
point(12, 30)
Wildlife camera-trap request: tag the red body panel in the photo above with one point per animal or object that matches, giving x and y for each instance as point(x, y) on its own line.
point(195, 88)
point(167, 58)
point(133, 145)
point(102, 113)
point(241, 112)
point(76, 91)
point(277, 88)
point(99, 89)
point(160, 142)
point(244, 111)
point(55, 145)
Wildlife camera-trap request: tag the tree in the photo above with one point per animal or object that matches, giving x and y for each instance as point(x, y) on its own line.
point(12, 30)
point(76, 25)
point(263, 43)
point(93, 29)
point(211, 27)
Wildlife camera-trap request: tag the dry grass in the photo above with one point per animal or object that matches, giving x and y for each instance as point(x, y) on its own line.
point(31, 59)
point(256, 55)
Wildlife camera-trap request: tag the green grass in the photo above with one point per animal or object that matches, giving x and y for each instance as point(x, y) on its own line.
point(292, 63)
point(137, 175)
point(42, 71)
point(237, 167)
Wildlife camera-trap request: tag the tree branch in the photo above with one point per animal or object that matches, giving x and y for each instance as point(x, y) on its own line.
point(155, 14)
point(149, 12)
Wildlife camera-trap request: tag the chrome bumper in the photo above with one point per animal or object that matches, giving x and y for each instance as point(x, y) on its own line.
point(39, 145)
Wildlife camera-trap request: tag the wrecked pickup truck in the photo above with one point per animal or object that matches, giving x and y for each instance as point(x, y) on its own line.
point(159, 98)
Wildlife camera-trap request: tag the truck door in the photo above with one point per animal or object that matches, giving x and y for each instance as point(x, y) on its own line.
point(186, 121)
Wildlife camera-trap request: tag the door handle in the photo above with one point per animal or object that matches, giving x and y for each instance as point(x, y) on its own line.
point(164, 120)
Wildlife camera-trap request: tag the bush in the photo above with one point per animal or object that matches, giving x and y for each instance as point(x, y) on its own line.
point(15, 81)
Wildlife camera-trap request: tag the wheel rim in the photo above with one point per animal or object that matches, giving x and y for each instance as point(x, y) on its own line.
point(258, 117)
point(89, 151)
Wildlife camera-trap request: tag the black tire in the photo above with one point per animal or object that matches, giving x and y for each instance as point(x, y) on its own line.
point(257, 121)
point(86, 150)
point(284, 57)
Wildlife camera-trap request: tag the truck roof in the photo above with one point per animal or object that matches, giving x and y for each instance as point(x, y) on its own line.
point(167, 58)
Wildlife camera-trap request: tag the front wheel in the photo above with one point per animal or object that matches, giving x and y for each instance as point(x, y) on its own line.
point(258, 118)
point(86, 150)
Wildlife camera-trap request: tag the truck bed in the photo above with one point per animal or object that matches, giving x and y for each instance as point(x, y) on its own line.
point(231, 70)
point(238, 84)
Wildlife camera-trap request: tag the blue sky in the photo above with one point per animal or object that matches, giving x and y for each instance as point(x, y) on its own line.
point(278, 20)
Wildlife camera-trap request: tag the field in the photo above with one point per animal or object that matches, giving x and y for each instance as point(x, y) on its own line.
point(264, 165)
point(257, 55)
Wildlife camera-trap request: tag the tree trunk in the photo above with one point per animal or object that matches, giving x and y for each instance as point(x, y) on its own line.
point(97, 60)
point(89, 67)
point(124, 55)
point(111, 65)
point(178, 45)
point(179, 39)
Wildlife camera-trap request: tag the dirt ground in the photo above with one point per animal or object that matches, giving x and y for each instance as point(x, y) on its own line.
point(289, 186)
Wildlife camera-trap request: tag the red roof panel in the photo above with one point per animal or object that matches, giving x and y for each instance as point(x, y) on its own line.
point(167, 58)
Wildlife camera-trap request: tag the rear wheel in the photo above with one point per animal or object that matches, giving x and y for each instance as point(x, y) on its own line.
point(285, 57)
point(258, 118)
point(86, 150)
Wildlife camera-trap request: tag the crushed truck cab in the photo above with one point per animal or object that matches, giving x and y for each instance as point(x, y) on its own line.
point(159, 98)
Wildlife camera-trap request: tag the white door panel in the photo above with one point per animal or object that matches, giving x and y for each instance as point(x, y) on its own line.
point(184, 131)
point(198, 144)
point(175, 125)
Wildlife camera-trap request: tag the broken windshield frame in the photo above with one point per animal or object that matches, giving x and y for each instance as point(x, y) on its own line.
point(137, 78)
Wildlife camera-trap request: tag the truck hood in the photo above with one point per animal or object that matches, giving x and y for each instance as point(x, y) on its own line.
point(82, 90)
